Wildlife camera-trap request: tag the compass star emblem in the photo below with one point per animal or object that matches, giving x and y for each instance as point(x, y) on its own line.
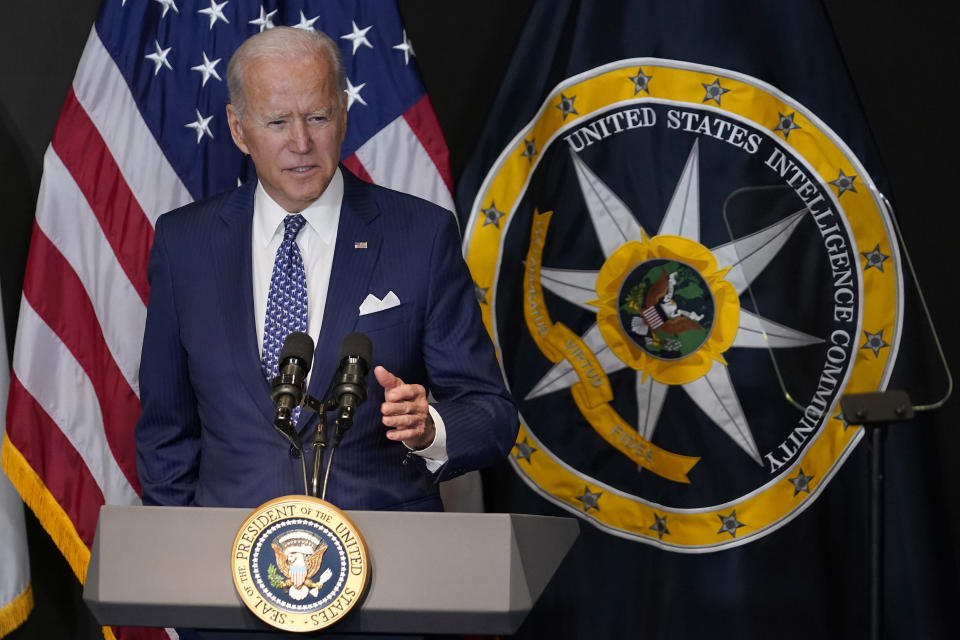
point(728, 269)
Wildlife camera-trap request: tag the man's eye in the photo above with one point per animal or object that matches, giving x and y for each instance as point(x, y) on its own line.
point(275, 123)
point(316, 119)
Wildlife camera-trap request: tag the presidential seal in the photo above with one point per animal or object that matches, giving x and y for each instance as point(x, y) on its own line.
point(299, 563)
point(682, 270)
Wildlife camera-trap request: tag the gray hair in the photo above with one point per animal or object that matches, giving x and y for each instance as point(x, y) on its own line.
point(281, 43)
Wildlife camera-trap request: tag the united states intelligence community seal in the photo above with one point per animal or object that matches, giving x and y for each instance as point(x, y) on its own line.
point(664, 254)
point(299, 563)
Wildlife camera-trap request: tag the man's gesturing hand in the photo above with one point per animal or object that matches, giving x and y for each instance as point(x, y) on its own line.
point(405, 411)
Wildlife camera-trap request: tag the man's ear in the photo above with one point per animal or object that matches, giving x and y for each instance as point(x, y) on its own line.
point(236, 129)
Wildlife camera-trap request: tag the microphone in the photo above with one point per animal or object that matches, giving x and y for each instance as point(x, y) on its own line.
point(350, 385)
point(290, 385)
point(348, 391)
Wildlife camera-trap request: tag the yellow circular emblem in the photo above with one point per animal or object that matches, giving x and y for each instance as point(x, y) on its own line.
point(658, 252)
point(299, 563)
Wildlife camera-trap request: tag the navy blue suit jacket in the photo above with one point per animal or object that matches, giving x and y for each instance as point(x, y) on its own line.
point(205, 436)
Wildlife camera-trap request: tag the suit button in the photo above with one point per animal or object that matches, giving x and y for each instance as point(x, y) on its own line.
point(293, 452)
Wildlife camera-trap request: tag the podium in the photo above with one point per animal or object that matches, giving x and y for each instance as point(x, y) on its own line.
point(464, 573)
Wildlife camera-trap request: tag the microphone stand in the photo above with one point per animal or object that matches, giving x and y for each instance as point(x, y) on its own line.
point(343, 422)
point(319, 444)
point(321, 440)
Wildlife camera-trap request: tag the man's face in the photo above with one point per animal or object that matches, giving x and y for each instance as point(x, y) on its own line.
point(292, 127)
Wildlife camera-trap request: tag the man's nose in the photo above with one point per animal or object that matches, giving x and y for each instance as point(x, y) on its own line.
point(300, 141)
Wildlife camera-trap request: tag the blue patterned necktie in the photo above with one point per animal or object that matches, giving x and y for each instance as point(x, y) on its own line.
point(287, 300)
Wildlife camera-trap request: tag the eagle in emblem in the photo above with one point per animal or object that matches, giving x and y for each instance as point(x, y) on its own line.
point(660, 311)
point(298, 561)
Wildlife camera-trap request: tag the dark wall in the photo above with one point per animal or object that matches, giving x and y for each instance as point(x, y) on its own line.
point(903, 58)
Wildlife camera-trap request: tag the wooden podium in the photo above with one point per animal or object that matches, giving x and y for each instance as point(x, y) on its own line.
point(463, 573)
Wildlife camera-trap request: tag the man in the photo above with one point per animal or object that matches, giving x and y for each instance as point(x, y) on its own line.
point(219, 307)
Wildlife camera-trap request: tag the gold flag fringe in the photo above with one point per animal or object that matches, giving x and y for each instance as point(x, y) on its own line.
point(15, 612)
point(48, 511)
point(52, 517)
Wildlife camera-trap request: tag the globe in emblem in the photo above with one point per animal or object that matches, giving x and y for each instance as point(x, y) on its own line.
point(666, 308)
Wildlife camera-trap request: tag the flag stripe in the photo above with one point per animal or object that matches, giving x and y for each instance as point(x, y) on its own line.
point(81, 149)
point(55, 460)
point(423, 121)
point(65, 218)
point(395, 158)
point(353, 163)
point(51, 375)
point(106, 98)
point(56, 294)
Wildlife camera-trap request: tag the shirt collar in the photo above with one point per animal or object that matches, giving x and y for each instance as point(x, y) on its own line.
point(321, 215)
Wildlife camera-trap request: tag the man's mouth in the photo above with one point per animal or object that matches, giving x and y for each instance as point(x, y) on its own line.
point(302, 169)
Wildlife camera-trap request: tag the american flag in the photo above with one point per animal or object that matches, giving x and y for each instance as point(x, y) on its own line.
point(143, 131)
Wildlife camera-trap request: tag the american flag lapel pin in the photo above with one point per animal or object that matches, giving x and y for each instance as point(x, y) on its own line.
point(360, 244)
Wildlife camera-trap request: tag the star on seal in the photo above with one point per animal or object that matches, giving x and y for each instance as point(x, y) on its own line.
point(714, 91)
point(529, 149)
point(844, 183)
point(566, 105)
point(875, 258)
point(659, 525)
point(730, 524)
point(641, 82)
point(786, 124)
point(481, 293)
point(843, 421)
point(801, 482)
point(589, 499)
point(491, 215)
point(874, 342)
point(524, 450)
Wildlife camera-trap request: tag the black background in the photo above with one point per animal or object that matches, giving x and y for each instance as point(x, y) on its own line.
point(903, 58)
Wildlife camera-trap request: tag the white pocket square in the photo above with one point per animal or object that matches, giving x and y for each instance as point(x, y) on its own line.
point(372, 304)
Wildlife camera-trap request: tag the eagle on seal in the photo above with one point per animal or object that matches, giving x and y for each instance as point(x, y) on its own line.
point(299, 568)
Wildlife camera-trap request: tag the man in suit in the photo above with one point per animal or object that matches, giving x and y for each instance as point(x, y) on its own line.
point(205, 436)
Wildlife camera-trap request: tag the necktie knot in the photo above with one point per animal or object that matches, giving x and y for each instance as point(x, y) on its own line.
point(292, 225)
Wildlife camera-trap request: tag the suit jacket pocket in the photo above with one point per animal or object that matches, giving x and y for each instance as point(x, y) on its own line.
point(383, 319)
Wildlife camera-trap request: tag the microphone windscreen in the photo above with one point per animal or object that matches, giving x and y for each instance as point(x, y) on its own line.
point(298, 345)
point(356, 344)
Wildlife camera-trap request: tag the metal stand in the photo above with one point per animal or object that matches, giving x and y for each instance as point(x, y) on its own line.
point(875, 411)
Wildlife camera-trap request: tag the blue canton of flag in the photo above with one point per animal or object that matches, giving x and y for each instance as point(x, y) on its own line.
point(174, 58)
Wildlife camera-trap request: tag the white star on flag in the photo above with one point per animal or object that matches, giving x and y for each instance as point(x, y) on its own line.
point(201, 126)
point(265, 21)
point(167, 5)
point(207, 69)
point(406, 47)
point(215, 11)
point(159, 58)
point(353, 94)
point(358, 37)
point(306, 25)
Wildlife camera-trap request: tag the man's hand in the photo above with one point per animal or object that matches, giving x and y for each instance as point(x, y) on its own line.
point(405, 411)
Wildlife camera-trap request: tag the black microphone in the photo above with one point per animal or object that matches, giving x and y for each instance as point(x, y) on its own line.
point(290, 385)
point(347, 392)
point(350, 385)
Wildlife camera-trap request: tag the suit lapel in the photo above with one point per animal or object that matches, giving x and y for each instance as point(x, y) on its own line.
point(353, 265)
point(231, 252)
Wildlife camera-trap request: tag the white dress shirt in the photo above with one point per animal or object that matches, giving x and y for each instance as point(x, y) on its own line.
point(316, 241)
